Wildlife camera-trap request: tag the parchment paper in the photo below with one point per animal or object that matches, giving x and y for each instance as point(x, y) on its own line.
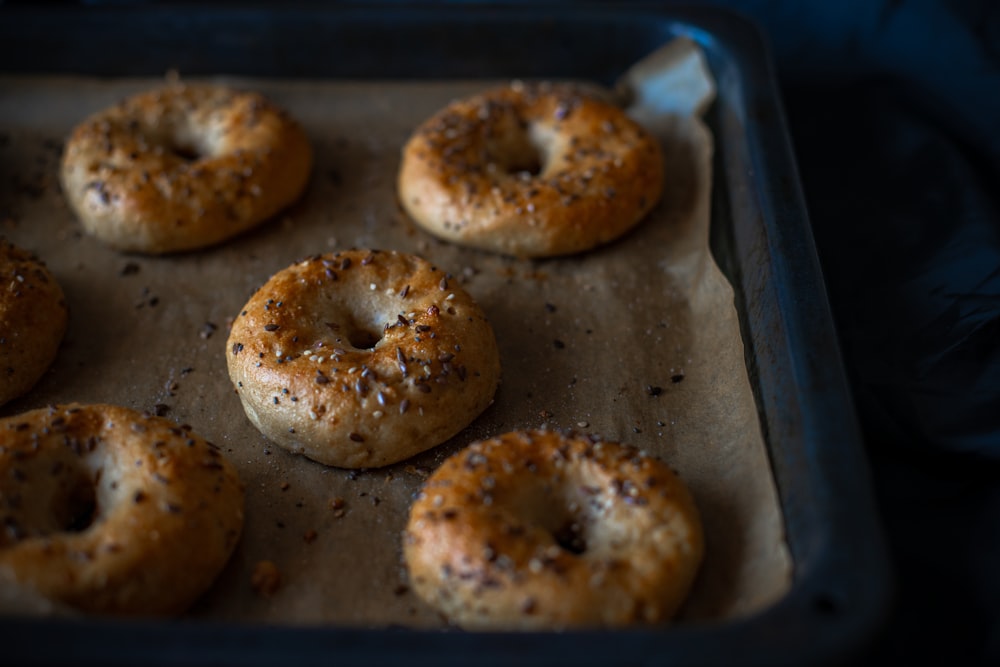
point(637, 341)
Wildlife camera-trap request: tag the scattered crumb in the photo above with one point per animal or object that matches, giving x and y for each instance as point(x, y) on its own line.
point(147, 299)
point(130, 269)
point(339, 507)
point(266, 578)
point(310, 536)
point(419, 471)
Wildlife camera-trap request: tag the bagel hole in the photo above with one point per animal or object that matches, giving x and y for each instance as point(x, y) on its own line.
point(556, 510)
point(522, 152)
point(525, 164)
point(186, 152)
point(570, 536)
point(77, 506)
point(66, 503)
point(363, 338)
point(63, 500)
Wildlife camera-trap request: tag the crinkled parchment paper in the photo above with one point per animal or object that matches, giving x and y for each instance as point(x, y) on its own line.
point(637, 341)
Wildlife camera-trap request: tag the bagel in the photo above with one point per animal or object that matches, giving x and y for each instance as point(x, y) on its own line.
point(362, 358)
point(110, 511)
point(33, 319)
point(538, 530)
point(530, 171)
point(183, 167)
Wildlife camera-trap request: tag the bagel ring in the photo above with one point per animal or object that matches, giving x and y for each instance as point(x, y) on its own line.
point(182, 167)
point(33, 319)
point(110, 511)
point(362, 358)
point(530, 170)
point(536, 530)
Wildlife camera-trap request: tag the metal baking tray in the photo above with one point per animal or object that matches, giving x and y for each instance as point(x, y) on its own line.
point(761, 239)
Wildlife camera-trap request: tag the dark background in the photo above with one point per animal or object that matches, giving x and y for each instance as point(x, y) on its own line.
point(894, 111)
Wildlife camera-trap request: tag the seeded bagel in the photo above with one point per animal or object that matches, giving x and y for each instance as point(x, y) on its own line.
point(33, 319)
point(540, 530)
point(183, 167)
point(530, 170)
point(110, 511)
point(362, 358)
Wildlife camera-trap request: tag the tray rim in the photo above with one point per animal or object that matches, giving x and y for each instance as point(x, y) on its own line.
point(809, 623)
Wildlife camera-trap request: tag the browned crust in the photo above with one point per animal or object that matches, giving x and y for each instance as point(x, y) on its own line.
point(480, 543)
point(130, 189)
point(33, 319)
point(305, 386)
point(602, 173)
point(169, 509)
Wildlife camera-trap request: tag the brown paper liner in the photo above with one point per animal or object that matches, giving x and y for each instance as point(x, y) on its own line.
point(585, 341)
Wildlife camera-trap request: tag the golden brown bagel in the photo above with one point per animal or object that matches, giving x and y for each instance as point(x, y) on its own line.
point(537, 530)
point(110, 511)
point(362, 358)
point(530, 170)
point(33, 317)
point(183, 167)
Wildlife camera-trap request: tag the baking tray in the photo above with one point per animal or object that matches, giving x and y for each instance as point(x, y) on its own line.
point(760, 238)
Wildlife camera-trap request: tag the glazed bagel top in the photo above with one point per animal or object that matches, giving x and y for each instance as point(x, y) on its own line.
point(111, 511)
point(544, 530)
point(183, 167)
point(362, 358)
point(530, 170)
point(33, 319)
